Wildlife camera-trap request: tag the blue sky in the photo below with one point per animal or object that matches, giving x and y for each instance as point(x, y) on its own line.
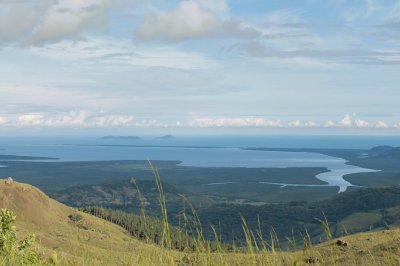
point(200, 66)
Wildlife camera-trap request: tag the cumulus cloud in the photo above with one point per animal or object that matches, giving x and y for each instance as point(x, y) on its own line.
point(39, 22)
point(190, 20)
point(330, 123)
point(68, 19)
point(361, 123)
point(350, 121)
point(33, 119)
point(73, 119)
point(381, 124)
point(346, 121)
point(17, 19)
point(79, 119)
point(87, 119)
point(3, 120)
point(295, 123)
point(311, 124)
point(233, 122)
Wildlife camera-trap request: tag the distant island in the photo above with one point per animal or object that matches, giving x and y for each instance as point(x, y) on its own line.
point(120, 138)
point(166, 137)
point(24, 158)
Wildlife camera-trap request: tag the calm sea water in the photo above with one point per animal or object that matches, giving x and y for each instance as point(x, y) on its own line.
point(341, 142)
point(226, 151)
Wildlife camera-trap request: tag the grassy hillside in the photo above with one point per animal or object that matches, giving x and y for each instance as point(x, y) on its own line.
point(93, 241)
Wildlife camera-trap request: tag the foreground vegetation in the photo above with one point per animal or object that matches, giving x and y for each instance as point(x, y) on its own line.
point(13, 251)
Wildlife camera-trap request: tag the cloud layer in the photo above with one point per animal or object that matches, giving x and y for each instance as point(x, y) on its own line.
point(86, 119)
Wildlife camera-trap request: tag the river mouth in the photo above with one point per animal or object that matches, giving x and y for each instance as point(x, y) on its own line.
point(335, 177)
point(332, 178)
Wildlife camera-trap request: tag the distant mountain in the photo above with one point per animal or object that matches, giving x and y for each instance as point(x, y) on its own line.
point(166, 137)
point(386, 152)
point(120, 138)
point(380, 149)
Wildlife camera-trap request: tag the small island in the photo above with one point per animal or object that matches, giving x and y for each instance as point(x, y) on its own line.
point(166, 137)
point(120, 138)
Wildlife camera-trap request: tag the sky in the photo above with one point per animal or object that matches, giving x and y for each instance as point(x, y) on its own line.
point(200, 66)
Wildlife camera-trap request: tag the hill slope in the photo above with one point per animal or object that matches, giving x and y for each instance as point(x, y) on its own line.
point(92, 241)
point(88, 241)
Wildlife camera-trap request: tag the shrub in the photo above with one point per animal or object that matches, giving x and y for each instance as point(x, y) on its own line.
point(12, 251)
point(75, 217)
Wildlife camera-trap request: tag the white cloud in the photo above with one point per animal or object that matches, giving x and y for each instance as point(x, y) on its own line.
point(361, 123)
point(73, 119)
point(381, 124)
point(330, 123)
point(311, 124)
point(33, 119)
point(80, 119)
point(112, 120)
point(44, 21)
point(346, 121)
point(295, 123)
point(233, 122)
point(349, 121)
point(219, 7)
point(190, 20)
point(3, 120)
point(87, 119)
point(298, 124)
point(68, 19)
